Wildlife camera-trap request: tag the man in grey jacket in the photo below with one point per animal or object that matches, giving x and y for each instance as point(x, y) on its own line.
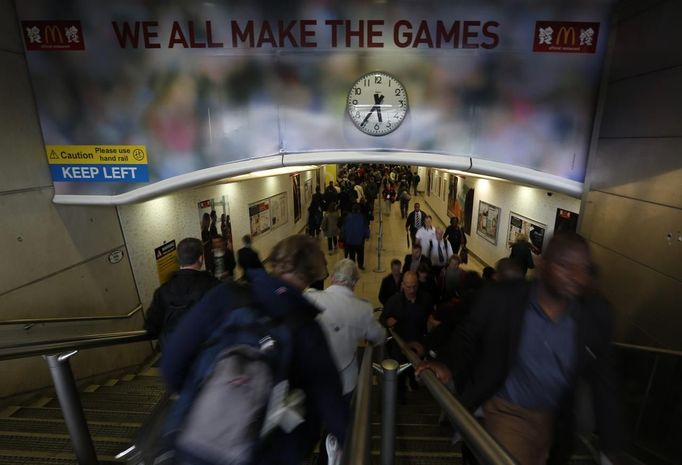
point(346, 321)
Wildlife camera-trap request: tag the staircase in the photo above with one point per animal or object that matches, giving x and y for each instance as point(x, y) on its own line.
point(420, 438)
point(35, 433)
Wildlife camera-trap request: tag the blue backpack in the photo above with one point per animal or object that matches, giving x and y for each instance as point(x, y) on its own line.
point(237, 391)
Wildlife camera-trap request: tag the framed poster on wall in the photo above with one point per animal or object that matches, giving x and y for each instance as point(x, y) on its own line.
point(278, 210)
point(308, 192)
point(216, 235)
point(488, 221)
point(259, 217)
point(531, 229)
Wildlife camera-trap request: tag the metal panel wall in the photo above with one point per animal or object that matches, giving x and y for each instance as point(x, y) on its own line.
point(644, 106)
point(636, 229)
point(646, 169)
point(640, 50)
point(635, 176)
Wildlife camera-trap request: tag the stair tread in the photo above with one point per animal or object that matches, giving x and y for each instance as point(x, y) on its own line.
point(90, 414)
point(16, 425)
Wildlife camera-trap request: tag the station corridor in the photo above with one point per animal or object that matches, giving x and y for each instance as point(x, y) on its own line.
point(394, 246)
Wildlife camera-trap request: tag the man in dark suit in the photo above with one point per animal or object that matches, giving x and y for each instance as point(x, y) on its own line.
point(524, 350)
point(390, 285)
point(416, 258)
point(415, 220)
point(247, 258)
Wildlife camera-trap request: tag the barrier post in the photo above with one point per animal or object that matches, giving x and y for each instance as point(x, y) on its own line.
point(67, 394)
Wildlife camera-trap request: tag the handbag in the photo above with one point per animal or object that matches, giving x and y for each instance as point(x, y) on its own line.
point(464, 255)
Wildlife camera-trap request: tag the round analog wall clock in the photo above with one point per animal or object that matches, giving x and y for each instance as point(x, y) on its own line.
point(377, 103)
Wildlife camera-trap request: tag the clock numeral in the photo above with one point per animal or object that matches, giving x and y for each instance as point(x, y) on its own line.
point(377, 79)
point(402, 103)
point(388, 124)
point(376, 127)
point(397, 92)
point(397, 116)
point(357, 114)
point(366, 82)
point(357, 91)
point(355, 102)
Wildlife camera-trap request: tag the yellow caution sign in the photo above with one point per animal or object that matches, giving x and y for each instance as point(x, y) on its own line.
point(96, 154)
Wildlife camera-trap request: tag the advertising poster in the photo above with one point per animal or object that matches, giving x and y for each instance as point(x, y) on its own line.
point(308, 189)
point(488, 221)
point(166, 261)
point(168, 88)
point(216, 235)
point(278, 210)
point(259, 217)
point(534, 232)
point(296, 188)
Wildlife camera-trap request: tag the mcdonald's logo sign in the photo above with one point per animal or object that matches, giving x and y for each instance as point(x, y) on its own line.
point(565, 37)
point(53, 35)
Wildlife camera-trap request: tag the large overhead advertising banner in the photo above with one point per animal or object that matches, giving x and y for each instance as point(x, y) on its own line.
point(131, 93)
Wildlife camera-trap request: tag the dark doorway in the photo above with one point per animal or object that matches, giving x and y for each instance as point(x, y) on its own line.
point(468, 211)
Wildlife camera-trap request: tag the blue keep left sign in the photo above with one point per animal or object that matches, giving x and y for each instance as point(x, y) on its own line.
point(99, 173)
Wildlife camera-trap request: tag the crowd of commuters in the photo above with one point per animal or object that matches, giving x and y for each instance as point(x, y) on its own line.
point(512, 350)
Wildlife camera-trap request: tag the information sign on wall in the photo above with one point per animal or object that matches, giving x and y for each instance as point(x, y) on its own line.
point(98, 163)
point(166, 261)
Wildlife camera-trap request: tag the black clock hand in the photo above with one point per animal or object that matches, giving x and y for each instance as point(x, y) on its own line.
point(364, 121)
point(378, 100)
point(377, 106)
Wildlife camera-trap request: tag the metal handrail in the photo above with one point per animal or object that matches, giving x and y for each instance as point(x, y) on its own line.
point(68, 319)
point(482, 444)
point(89, 341)
point(358, 442)
point(653, 350)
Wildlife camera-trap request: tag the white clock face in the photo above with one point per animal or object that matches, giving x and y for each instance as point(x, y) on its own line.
point(377, 103)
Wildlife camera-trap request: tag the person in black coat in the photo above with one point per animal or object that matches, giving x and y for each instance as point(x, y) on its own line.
point(414, 221)
point(406, 313)
point(521, 253)
point(247, 258)
point(416, 258)
point(176, 296)
point(525, 348)
point(455, 235)
point(390, 285)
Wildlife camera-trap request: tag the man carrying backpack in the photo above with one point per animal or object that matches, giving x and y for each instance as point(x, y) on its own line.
point(231, 409)
point(175, 297)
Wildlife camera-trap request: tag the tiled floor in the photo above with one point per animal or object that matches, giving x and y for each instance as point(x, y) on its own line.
point(394, 246)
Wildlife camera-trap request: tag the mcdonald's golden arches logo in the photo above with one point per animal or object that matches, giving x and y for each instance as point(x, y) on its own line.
point(53, 35)
point(565, 37)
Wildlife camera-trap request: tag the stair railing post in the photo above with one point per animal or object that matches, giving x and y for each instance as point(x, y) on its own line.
point(389, 378)
point(70, 403)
